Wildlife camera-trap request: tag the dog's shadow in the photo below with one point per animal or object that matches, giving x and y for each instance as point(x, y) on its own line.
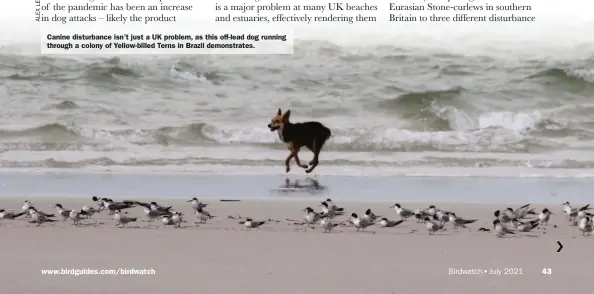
point(309, 185)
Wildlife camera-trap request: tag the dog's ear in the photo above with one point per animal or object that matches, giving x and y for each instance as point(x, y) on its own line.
point(280, 112)
point(287, 115)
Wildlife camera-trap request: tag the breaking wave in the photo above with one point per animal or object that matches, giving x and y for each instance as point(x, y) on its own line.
point(493, 132)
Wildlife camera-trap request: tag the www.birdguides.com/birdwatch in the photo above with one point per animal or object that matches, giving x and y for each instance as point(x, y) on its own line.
point(89, 271)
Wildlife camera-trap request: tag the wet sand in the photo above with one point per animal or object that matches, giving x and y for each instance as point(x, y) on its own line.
point(223, 256)
point(479, 190)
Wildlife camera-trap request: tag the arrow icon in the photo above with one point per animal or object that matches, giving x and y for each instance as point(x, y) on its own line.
point(560, 246)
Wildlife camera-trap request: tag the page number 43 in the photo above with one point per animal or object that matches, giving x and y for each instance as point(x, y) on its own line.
point(546, 271)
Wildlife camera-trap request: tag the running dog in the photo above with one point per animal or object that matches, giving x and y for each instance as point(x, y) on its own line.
point(311, 134)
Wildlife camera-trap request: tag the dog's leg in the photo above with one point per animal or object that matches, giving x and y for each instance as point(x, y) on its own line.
point(294, 152)
point(299, 162)
point(316, 150)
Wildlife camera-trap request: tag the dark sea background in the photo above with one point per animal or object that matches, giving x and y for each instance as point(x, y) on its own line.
point(406, 105)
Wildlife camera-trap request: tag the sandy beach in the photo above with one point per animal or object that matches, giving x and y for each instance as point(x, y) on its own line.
point(282, 256)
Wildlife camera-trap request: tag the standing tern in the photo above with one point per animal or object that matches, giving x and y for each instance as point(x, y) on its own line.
point(360, 224)
point(573, 212)
point(26, 207)
point(520, 212)
point(152, 210)
point(166, 220)
point(370, 216)
point(431, 210)
point(249, 223)
point(326, 210)
point(420, 215)
point(332, 206)
point(64, 213)
point(402, 212)
point(527, 226)
point(460, 222)
point(122, 219)
point(544, 216)
point(327, 224)
point(157, 207)
point(432, 226)
point(586, 226)
point(203, 215)
point(177, 219)
point(500, 229)
point(11, 215)
point(153, 214)
point(113, 206)
point(502, 217)
point(76, 216)
point(38, 217)
point(311, 217)
point(441, 216)
point(99, 202)
point(385, 223)
point(196, 203)
point(89, 211)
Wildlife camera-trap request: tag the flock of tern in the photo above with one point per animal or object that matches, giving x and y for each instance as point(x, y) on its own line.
point(507, 221)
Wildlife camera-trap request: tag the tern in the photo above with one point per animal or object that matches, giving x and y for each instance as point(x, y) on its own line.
point(327, 224)
point(38, 217)
point(64, 213)
point(177, 219)
point(196, 203)
point(420, 215)
point(203, 215)
point(431, 210)
point(586, 226)
point(545, 216)
point(153, 214)
point(500, 229)
point(99, 202)
point(122, 219)
point(360, 224)
point(520, 212)
point(326, 210)
point(332, 206)
point(166, 220)
point(89, 211)
point(153, 211)
point(249, 223)
point(311, 217)
point(402, 212)
point(75, 216)
point(460, 222)
point(385, 223)
point(26, 207)
point(113, 206)
point(441, 216)
point(502, 217)
point(573, 212)
point(370, 216)
point(157, 207)
point(527, 226)
point(432, 226)
point(11, 215)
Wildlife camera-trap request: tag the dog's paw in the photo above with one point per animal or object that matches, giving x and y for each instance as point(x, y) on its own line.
point(288, 169)
point(308, 171)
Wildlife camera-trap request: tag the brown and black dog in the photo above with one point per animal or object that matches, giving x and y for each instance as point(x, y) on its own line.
point(311, 134)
